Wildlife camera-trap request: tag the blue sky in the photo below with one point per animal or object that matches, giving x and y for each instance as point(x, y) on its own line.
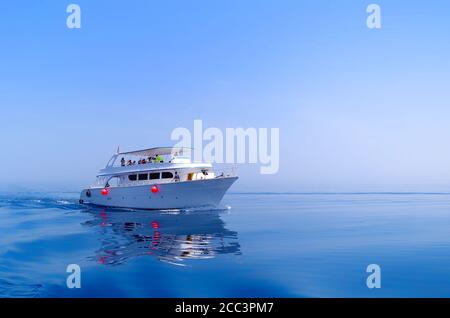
point(358, 109)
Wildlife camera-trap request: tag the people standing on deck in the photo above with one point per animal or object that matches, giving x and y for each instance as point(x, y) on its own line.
point(122, 162)
point(159, 159)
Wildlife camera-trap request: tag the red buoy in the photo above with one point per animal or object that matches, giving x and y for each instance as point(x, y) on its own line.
point(105, 191)
point(155, 225)
point(155, 189)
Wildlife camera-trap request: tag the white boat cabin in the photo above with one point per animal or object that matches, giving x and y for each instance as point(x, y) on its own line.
point(152, 166)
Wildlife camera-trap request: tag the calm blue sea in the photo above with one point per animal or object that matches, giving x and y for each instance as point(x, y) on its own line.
point(256, 245)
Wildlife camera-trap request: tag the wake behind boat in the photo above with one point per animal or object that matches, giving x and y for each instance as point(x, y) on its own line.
point(157, 178)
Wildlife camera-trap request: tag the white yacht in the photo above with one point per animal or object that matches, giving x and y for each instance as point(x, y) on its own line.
point(157, 178)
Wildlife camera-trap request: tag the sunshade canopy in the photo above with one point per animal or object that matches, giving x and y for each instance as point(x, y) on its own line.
point(152, 152)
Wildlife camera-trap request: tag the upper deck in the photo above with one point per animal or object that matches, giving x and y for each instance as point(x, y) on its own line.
point(153, 159)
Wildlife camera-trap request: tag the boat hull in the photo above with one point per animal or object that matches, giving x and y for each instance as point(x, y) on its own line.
point(174, 195)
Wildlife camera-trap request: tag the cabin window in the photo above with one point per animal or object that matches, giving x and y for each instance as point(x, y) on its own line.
point(113, 182)
point(143, 177)
point(132, 177)
point(154, 175)
point(167, 175)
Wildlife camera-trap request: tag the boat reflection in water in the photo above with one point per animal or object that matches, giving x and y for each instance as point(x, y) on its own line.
point(169, 236)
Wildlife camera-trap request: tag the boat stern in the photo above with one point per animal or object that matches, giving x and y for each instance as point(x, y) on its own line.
point(85, 196)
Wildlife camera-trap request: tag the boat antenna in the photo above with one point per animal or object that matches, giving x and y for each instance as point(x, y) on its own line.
point(118, 149)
